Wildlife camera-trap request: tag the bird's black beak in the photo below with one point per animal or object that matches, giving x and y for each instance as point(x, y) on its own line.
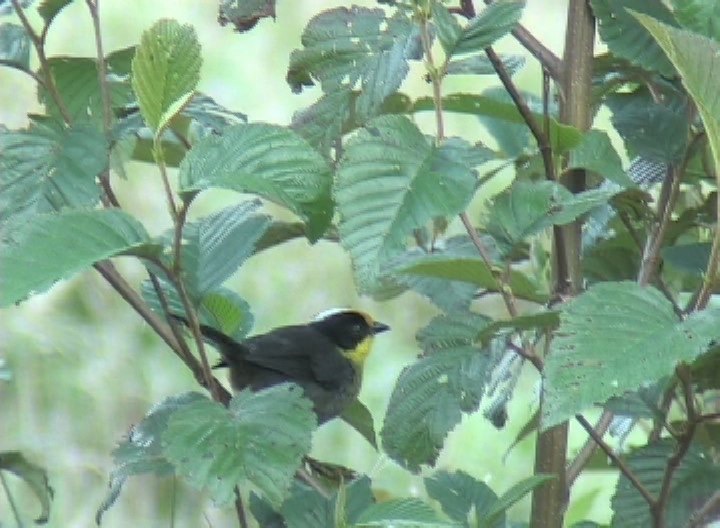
point(378, 327)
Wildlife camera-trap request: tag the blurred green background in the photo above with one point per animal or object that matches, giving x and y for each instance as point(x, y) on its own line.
point(85, 367)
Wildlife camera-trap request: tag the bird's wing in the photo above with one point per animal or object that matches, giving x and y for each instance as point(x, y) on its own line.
point(317, 359)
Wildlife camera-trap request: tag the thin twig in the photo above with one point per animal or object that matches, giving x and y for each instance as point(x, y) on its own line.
point(578, 464)
point(240, 509)
point(435, 78)
point(104, 177)
point(11, 500)
point(683, 445)
point(663, 410)
point(624, 469)
point(39, 44)
point(697, 519)
point(15, 66)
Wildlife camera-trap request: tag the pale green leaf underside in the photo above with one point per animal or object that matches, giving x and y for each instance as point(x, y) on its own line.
point(596, 153)
point(617, 337)
point(166, 67)
point(54, 246)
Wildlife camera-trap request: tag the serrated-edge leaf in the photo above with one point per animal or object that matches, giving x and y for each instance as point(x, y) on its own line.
point(268, 160)
point(55, 246)
point(359, 418)
point(390, 181)
point(261, 439)
point(495, 21)
point(458, 493)
point(165, 68)
point(513, 495)
point(617, 337)
point(49, 9)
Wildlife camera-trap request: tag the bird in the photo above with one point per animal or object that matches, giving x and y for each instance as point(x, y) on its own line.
point(325, 357)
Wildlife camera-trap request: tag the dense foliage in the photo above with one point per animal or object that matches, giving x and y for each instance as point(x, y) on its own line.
point(607, 269)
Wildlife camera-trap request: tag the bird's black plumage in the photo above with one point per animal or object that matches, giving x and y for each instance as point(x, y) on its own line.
point(316, 356)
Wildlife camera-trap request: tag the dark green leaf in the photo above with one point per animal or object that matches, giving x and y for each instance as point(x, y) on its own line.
point(48, 167)
point(322, 123)
point(391, 181)
point(14, 46)
point(267, 160)
point(244, 14)
point(695, 480)
point(344, 46)
point(614, 338)
point(33, 475)
point(495, 21)
point(55, 246)
point(690, 258)
point(542, 320)
point(142, 452)
point(627, 38)
point(359, 417)
point(165, 71)
point(657, 132)
point(563, 137)
point(430, 395)
point(528, 208)
point(215, 246)
point(597, 154)
point(261, 439)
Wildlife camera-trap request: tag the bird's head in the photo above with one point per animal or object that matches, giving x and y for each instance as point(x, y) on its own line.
point(352, 331)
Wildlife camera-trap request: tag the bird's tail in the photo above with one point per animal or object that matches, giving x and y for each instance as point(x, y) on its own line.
point(223, 342)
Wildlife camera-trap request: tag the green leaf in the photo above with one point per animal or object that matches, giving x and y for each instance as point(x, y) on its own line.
point(220, 308)
point(306, 508)
point(617, 337)
point(49, 9)
point(653, 131)
point(55, 246)
point(142, 452)
point(48, 167)
point(697, 59)
point(76, 79)
point(699, 16)
point(267, 160)
point(597, 154)
point(546, 320)
point(474, 271)
point(563, 137)
point(33, 475)
point(400, 512)
point(344, 46)
point(497, 511)
point(690, 258)
point(627, 38)
point(322, 123)
point(430, 395)
point(14, 46)
point(447, 27)
point(165, 71)
point(481, 65)
point(244, 14)
point(693, 483)
point(529, 207)
point(390, 181)
point(495, 21)
point(358, 416)
point(261, 439)
point(458, 493)
point(214, 247)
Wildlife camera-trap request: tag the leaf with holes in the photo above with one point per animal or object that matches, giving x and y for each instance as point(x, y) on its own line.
point(617, 337)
